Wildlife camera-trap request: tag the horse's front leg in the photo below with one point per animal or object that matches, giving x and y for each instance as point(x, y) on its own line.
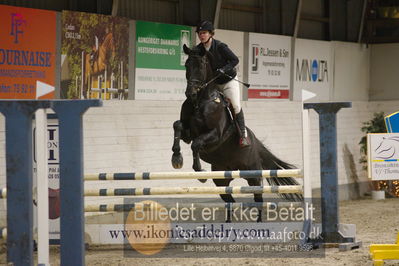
point(177, 158)
point(212, 137)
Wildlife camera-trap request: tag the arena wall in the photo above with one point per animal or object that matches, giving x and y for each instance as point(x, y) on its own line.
point(137, 136)
point(384, 72)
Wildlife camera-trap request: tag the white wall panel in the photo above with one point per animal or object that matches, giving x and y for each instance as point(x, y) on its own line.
point(351, 72)
point(384, 72)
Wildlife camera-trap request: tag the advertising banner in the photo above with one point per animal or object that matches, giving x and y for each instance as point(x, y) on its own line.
point(53, 175)
point(269, 66)
point(160, 71)
point(383, 156)
point(27, 53)
point(313, 70)
point(392, 122)
point(94, 61)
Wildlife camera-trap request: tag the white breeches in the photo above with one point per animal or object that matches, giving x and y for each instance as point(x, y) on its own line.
point(231, 90)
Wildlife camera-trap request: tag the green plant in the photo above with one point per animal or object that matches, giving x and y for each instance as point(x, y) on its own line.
point(375, 125)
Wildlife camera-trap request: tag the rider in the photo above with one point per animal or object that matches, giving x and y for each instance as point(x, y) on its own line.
point(223, 64)
point(94, 51)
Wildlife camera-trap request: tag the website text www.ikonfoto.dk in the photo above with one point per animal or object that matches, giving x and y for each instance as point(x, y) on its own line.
point(222, 232)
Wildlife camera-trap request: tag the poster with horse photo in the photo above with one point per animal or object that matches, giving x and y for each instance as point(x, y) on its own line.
point(94, 60)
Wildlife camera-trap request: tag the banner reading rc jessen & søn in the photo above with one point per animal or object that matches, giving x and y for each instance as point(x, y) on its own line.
point(269, 66)
point(27, 53)
point(160, 71)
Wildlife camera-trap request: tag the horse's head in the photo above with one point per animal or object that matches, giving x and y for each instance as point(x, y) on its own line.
point(198, 71)
point(387, 148)
point(107, 47)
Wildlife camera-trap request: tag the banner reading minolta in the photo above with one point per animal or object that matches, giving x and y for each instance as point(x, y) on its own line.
point(313, 70)
point(160, 71)
point(269, 66)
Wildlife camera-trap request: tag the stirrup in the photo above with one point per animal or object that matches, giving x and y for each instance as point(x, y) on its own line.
point(244, 142)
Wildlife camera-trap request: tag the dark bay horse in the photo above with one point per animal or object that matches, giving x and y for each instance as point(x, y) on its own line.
point(207, 124)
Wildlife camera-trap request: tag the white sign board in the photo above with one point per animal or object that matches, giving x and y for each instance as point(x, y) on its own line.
point(53, 177)
point(313, 70)
point(269, 66)
point(160, 70)
point(383, 156)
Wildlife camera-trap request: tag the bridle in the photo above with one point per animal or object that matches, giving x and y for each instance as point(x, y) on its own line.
point(197, 84)
point(203, 85)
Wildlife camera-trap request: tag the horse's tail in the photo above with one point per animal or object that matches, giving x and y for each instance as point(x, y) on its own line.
point(272, 162)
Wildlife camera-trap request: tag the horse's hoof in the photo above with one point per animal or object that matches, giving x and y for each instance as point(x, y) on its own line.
point(177, 161)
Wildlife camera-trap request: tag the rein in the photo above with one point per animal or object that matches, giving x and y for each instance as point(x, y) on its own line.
point(200, 87)
point(209, 81)
point(204, 85)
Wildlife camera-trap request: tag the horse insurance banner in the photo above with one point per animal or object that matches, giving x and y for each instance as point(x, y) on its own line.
point(160, 71)
point(269, 66)
point(383, 156)
point(94, 60)
point(27, 53)
point(313, 70)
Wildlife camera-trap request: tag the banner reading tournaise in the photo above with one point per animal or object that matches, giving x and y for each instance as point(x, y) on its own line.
point(27, 53)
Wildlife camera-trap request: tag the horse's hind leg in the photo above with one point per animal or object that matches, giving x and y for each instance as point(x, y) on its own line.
point(257, 197)
point(177, 158)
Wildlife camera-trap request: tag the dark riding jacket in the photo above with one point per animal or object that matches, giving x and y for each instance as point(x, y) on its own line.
point(222, 58)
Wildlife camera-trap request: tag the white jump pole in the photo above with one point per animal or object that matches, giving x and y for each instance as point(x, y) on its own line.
point(195, 175)
point(307, 185)
point(83, 71)
point(99, 87)
point(105, 85)
point(111, 95)
point(191, 190)
point(76, 84)
point(120, 95)
point(42, 187)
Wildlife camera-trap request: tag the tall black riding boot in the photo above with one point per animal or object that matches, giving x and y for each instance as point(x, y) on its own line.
point(244, 140)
